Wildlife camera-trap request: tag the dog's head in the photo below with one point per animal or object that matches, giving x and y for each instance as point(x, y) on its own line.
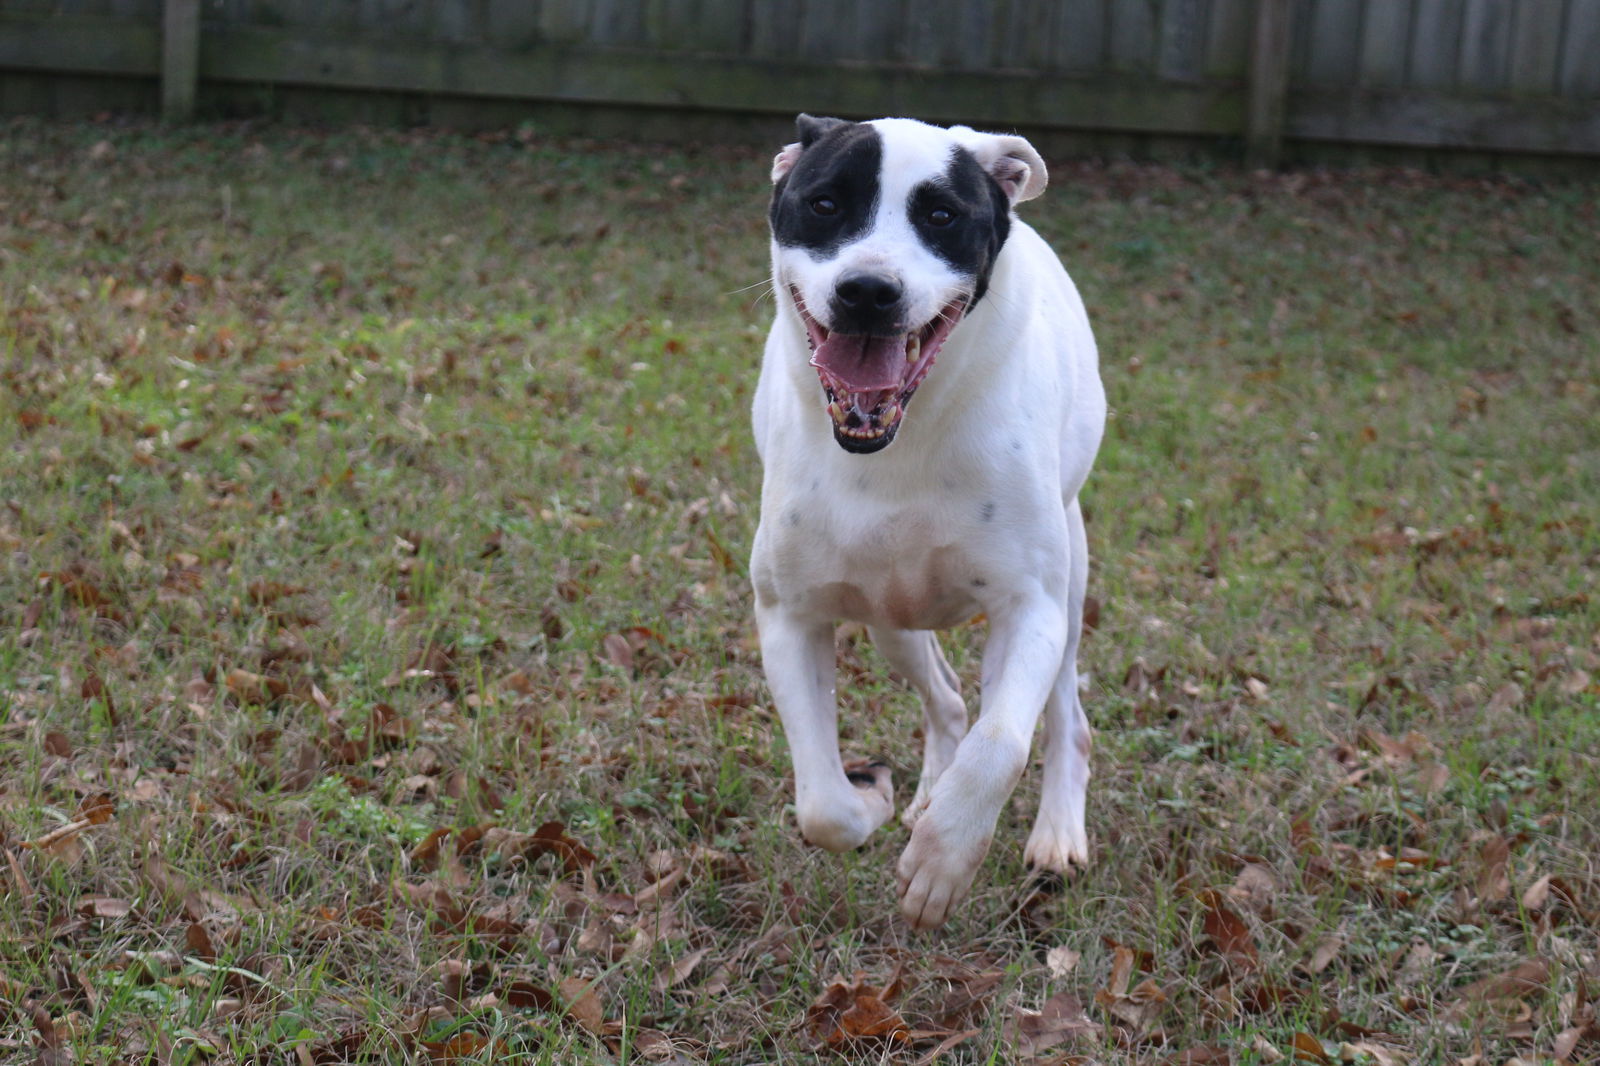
point(886, 235)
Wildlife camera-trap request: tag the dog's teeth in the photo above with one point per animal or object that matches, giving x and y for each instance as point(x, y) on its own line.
point(913, 349)
point(836, 412)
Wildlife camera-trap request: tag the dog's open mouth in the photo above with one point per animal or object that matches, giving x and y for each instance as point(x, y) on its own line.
point(869, 380)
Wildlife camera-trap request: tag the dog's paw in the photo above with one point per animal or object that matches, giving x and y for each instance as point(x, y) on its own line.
point(1056, 847)
point(936, 871)
point(842, 820)
point(914, 809)
point(874, 783)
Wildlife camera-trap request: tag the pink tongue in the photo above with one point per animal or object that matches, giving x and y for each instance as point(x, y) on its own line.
point(863, 363)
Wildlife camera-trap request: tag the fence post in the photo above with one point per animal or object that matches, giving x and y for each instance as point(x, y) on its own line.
point(1269, 84)
point(180, 58)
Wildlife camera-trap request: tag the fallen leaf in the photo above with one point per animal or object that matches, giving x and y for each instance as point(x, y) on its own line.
point(1061, 961)
point(1308, 1048)
point(253, 688)
point(1227, 930)
point(583, 1005)
point(1494, 873)
point(680, 970)
point(617, 651)
point(1326, 952)
point(1058, 1019)
point(1200, 1056)
point(103, 907)
point(855, 1010)
point(525, 995)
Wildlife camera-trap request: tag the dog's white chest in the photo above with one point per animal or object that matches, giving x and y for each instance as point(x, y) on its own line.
point(905, 567)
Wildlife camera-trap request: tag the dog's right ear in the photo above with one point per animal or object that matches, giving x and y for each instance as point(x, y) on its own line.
point(809, 127)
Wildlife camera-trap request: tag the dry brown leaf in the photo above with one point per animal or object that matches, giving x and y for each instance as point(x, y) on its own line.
point(1308, 1048)
point(680, 970)
point(1058, 1019)
point(854, 1010)
point(1138, 1007)
point(583, 1005)
point(1377, 1054)
point(249, 688)
point(1506, 698)
point(945, 1045)
point(96, 906)
point(461, 1046)
point(526, 995)
point(198, 942)
point(19, 880)
point(1061, 961)
point(616, 650)
point(1255, 887)
point(1326, 952)
point(62, 842)
point(1494, 872)
point(1227, 930)
point(1200, 1056)
point(1527, 978)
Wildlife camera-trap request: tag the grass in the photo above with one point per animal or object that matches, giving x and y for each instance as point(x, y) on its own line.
point(365, 485)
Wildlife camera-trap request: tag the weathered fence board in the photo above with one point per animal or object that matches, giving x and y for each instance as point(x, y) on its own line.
point(1435, 44)
point(1494, 75)
point(1536, 47)
point(1385, 44)
point(1580, 70)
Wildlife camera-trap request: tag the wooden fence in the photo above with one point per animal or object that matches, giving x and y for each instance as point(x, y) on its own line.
point(1487, 75)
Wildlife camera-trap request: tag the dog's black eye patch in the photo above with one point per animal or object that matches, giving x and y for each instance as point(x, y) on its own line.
point(829, 198)
point(963, 217)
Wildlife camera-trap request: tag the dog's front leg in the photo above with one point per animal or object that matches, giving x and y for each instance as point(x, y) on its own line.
point(952, 836)
point(838, 806)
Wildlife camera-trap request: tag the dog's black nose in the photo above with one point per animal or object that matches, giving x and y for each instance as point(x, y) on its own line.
point(861, 291)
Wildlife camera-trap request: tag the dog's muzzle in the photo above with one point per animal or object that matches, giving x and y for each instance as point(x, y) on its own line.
point(869, 378)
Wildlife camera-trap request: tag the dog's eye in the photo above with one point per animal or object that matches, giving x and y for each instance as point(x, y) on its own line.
point(940, 217)
point(825, 205)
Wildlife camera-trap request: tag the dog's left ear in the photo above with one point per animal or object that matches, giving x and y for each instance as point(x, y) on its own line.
point(1010, 160)
point(809, 128)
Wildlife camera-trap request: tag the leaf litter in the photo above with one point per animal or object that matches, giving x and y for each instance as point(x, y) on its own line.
point(417, 735)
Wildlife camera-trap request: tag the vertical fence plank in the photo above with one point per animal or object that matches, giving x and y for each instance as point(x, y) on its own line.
point(180, 58)
point(1131, 42)
point(1080, 43)
point(1385, 42)
point(1435, 44)
point(1536, 46)
point(774, 28)
point(1334, 42)
point(1228, 39)
point(1485, 45)
point(1580, 72)
point(564, 21)
point(1183, 37)
point(1269, 83)
point(1025, 37)
point(512, 24)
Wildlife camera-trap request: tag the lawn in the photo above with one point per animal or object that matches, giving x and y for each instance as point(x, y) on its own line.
point(377, 673)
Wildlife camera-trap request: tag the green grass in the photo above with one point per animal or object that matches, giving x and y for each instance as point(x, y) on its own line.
point(332, 461)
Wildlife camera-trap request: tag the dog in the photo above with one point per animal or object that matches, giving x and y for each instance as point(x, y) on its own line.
point(929, 405)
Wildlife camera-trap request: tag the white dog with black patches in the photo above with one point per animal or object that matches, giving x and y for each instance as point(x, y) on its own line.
point(894, 248)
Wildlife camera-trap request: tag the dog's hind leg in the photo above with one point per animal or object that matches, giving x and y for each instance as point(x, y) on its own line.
point(916, 656)
point(838, 806)
point(1059, 836)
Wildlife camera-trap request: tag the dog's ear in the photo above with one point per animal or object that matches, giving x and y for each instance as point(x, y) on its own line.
point(1010, 160)
point(809, 128)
